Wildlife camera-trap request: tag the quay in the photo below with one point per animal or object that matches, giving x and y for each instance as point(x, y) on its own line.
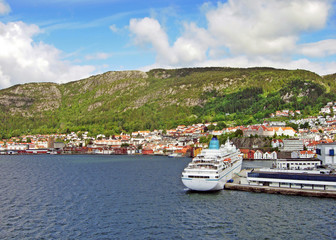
point(240, 183)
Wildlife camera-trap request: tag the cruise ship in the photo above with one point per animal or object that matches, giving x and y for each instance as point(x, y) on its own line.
point(211, 169)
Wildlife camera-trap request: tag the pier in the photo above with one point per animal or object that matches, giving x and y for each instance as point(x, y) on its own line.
point(240, 183)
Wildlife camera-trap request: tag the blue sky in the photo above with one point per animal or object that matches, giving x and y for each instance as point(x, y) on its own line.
point(64, 40)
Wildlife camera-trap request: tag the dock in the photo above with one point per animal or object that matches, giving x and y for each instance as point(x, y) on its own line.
point(240, 183)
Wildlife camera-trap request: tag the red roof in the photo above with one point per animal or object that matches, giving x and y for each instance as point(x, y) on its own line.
point(244, 150)
point(306, 152)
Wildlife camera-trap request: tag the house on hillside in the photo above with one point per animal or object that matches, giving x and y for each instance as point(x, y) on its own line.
point(286, 131)
point(277, 143)
point(292, 145)
point(312, 145)
point(258, 130)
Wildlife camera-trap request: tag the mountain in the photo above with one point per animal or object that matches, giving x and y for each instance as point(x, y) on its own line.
point(161, 98)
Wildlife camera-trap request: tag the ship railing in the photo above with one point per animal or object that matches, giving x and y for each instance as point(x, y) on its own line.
point(210, 173)
point(203, 167)
point(202, 161)
point(214, 166)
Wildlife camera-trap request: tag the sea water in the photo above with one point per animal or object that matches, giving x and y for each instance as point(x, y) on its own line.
point(142, 197)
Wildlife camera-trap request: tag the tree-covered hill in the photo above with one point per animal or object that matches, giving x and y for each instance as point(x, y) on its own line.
point(161, 99)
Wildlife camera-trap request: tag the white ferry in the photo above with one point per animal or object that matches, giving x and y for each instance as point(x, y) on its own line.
point(211, 169)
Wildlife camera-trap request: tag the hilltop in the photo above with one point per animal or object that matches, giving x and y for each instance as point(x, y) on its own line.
point(161, 98)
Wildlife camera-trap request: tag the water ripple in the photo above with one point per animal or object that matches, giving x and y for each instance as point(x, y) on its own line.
point(127, 197)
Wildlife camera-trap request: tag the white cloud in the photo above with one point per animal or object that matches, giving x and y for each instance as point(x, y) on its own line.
point(190, 47)
point(113, 28)
point(243, 33)
point(4, 7)
point(149, 31)
point(23, 60)
point(98, 56)
point(319, 49)
point(265, 27)
point(193, 44)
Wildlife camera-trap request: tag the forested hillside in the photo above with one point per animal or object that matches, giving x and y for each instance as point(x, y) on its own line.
point(160, 99)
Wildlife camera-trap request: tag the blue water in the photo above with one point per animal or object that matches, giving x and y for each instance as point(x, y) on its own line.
point(138, 197)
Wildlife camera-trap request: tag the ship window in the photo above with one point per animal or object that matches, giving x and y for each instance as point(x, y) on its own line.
point(191, 176)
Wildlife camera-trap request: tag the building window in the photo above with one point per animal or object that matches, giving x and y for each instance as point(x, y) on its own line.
point(318, 151)
point(331, 152)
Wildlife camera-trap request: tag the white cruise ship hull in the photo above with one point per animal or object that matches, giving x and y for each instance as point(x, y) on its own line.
point(212, 184)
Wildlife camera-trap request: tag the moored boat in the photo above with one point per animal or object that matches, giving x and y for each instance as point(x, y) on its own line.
point(210, 169)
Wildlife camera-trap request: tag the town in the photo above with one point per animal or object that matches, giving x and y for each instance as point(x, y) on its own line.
point(186, 141)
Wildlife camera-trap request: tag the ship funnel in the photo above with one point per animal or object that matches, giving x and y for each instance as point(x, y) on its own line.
point(214, 143)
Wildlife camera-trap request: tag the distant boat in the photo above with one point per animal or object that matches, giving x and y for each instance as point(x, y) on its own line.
point(173, 155)
point(211, 169)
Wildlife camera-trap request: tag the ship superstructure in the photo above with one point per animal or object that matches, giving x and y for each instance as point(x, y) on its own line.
point(209, 170)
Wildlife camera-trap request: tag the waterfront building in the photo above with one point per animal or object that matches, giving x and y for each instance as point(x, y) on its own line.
point(326, 153)
point(59, 145)
point(258, 154)
point(247, 153)
point(17, 147)
point(297, 163)
point(302, 154)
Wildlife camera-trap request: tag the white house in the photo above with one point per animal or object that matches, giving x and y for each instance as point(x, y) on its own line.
point(258, 154)
point(277, 143)
point(325, 110)
point(274, 155)
point(326, 153)
point(284, 131)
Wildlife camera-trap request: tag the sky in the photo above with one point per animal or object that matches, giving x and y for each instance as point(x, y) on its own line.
point(66, 40)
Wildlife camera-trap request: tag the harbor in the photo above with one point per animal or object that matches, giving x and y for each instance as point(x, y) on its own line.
point(240, 182)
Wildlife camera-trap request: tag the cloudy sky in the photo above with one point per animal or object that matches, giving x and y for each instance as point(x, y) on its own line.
point(65, 40)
